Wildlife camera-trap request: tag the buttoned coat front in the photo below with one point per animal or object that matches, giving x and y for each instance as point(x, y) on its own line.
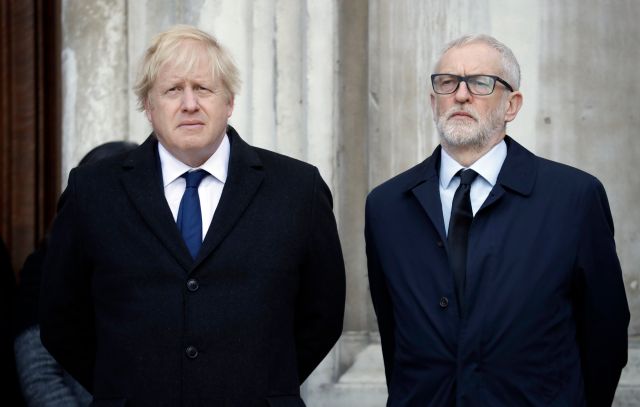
point(129, 313)
point(546, 313)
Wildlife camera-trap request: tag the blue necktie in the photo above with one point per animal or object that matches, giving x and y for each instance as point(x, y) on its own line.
point(461, 218)
point(189, 216)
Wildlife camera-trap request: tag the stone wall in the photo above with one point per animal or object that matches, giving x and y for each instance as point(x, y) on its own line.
point(344, 84)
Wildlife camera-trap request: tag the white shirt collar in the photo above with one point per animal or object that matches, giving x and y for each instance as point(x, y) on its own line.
point(217, 165)
point(488, 166)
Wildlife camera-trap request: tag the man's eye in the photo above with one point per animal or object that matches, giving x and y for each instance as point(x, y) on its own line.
point(481, 82)
point(202, 89)
point(448, 82)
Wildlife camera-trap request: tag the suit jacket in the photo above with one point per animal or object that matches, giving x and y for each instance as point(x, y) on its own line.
point(546, 312)
point(129, 313)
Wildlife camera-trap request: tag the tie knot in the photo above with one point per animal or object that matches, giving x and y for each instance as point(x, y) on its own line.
point(194, 177)
point(467, 176)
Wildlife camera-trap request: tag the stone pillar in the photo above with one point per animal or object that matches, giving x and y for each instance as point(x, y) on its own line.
point(576, 61)
point(94, 77)
point(344, 84)
point(587, 116)
point(287, 53)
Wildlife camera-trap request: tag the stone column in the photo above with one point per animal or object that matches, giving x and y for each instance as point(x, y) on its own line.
point(587, 116)
point(94, 77)
point(345, 86)
point(577, 61)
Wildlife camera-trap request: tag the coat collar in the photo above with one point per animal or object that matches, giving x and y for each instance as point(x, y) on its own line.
point(424, 185)
point(518, 174)
point(142, 179)
point(519, 170)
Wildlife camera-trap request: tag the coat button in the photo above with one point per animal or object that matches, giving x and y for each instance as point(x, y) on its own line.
point(444, 302)
point(440, 243)
point(192, 285)
point(191, 352)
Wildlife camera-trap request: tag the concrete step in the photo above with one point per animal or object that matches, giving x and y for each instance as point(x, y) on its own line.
point(628, 393)
point(363, 384)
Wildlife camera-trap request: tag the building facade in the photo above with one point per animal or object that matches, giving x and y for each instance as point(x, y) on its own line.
point(345, 86)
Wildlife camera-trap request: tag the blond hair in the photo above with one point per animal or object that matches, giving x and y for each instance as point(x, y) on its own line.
point(170, 46)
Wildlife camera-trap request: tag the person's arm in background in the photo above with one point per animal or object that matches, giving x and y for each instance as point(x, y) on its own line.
point(66, 309)
point(11, 394)
point(44, 382)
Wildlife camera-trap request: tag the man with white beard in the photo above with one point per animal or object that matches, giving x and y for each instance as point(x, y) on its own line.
point(493, 272)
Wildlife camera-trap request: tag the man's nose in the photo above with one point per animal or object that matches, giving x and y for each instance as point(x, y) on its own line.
point(462, 94)
point(189, 100)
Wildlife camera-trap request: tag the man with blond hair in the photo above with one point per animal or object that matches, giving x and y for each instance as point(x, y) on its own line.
point(493, 272)
point(196, 270)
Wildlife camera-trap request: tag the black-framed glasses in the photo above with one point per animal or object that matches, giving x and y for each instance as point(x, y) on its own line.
point(480, 85)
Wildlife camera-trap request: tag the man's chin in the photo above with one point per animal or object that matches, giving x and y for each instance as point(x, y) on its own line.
point(460, 135)
point(462, 139)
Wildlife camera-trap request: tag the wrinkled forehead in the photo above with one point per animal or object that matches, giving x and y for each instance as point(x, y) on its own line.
point(470, 59)
point(188, 59)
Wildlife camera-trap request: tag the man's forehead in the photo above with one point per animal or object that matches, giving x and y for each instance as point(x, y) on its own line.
point(470, 59)
point(201, 70)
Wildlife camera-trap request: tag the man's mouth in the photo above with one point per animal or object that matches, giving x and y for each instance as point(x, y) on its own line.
point(461, 115)
point(191, 124)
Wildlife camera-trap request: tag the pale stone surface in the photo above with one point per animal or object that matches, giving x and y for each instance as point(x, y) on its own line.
point(366, 368)
point(321, 86)
point(351, 161)
point(628, 393)
point(345, 86)
point(585, 118)
point(94, 71)
point(363, 384)
point(290, 98)
point(576, 60)
point(263, 114)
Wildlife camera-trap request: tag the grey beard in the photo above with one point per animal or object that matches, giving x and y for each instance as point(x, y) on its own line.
point(463, 135)
point(476, 135)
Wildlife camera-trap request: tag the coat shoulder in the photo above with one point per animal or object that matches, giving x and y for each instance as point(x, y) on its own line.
point(272, 159)
point(99, 171)
point(565, 175)
point(401, 183)
point(284, 168)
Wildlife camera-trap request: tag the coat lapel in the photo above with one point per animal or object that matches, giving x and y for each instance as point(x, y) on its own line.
point(142, 180)
point(518, 173)
point(425, 187)
point(243, 181)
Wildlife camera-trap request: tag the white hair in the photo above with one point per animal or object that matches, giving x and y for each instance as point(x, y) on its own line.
point(510, 66)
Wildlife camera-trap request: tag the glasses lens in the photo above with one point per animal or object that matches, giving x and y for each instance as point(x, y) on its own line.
point(445, 83)
point(481, 84)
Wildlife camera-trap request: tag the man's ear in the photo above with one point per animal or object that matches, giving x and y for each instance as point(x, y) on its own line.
point(230, 104)
point(433, 105)
point(147, 108)
point(514, 103)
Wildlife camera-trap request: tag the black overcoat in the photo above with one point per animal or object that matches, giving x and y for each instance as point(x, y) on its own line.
point(128, 312)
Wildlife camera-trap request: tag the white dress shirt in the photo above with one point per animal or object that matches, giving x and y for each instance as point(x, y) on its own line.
point(209, 190)
point(488, 167)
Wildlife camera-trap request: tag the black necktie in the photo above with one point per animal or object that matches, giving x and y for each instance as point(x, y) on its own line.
point(461, 217)
point(189, 217)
